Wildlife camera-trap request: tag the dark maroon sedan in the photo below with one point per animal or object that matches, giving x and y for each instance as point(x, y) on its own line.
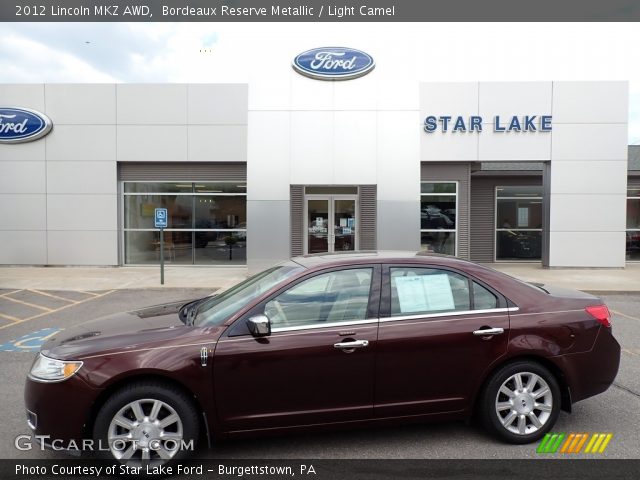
point(321, 341)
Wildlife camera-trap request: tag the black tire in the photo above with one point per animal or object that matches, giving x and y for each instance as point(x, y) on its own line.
point(172, 399)
point(493, 420)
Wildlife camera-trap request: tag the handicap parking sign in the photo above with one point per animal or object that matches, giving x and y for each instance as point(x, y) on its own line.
point(160, 218)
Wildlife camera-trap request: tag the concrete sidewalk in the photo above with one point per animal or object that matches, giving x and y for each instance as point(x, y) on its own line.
point(109, 278)
point(587, 279)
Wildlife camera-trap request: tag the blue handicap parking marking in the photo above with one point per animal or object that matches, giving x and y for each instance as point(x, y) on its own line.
point(30, 342)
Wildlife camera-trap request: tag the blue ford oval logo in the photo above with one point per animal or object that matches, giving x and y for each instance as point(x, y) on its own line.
point(333, 63)
point(22, 125)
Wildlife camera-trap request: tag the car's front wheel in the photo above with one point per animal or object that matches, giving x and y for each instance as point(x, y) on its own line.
point(520, 402)
point(146, 423)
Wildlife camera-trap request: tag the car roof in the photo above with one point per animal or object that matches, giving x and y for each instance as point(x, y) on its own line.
point(373, 256)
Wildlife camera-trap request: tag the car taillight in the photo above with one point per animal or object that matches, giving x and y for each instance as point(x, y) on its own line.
point(600, 313)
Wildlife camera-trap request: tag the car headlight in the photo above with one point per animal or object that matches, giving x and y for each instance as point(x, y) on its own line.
point(46, 369)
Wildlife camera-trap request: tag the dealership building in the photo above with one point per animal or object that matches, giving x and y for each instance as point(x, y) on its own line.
point(288, 163)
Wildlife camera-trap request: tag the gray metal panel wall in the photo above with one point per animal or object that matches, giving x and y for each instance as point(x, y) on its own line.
point(482, 224)
point(456, 172)
point(296, 198)
point(167, 171)
point(367, 199)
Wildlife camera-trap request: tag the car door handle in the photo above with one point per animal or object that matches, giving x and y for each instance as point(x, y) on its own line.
point(486, 332)
point(349, 345)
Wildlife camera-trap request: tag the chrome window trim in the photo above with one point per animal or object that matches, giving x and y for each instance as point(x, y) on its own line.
point(244, 338)
point(370, 321)
point(549, 313)
point(325, 325)
point(448, 314)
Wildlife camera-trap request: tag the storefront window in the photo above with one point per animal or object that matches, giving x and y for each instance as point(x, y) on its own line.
point(206, 224)
point(519, 223)
point(438, 208)
point(633, 224)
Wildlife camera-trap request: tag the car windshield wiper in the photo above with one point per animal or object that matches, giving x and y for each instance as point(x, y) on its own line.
point(189, 311)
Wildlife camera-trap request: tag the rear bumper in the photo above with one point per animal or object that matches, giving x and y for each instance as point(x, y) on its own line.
point(590, 373)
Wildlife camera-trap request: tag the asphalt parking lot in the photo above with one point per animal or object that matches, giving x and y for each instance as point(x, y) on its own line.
point(28, 316)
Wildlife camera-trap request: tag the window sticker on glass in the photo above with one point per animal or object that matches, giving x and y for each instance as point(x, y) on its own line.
point(424, 293)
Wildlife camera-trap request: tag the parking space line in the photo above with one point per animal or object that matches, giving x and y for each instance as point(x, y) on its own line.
point(9, 317)
point(10, 293)
point(32, 305)
point(89, 293)
point(625, 315)
point(630, 352)
point(55, 311)
point(52, 296)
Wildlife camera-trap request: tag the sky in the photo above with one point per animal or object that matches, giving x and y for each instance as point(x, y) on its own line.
point(222, 52)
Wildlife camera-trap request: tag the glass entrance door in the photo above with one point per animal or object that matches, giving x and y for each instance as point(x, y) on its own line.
point(344, 224)
point(317, 225)
point(331, 223)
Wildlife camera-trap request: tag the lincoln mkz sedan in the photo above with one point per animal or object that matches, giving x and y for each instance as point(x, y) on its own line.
point(321, 341)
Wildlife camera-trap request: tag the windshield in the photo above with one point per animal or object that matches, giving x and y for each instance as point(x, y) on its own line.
point(219, 308)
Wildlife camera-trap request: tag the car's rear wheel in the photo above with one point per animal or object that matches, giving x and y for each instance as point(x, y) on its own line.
point(146, 423)
point(520, 402)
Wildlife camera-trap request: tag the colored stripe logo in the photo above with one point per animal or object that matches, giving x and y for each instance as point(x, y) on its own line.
point(574, 443)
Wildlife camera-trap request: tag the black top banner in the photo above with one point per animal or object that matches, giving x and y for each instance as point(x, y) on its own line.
point(320, 11)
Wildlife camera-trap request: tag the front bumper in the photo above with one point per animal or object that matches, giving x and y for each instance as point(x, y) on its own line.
point(58, 412)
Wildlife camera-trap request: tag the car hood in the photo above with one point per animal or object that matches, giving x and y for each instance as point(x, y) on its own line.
point(153, 326)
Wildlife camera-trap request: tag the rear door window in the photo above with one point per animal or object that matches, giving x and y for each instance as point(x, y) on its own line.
point(483, 299)
point(416, 290)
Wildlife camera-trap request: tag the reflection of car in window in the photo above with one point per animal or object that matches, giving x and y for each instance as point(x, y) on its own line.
point(432, 217)
point(633, 240)
point(202, 239)
point(519, 244)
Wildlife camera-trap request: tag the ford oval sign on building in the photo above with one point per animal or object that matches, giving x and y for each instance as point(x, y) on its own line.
point(333, 63)
point(19, 125)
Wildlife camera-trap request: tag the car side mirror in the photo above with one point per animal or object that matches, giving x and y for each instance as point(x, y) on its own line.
point(259, 326)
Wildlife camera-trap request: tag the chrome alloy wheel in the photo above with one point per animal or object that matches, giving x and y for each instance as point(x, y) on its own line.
point(524, 403)
point(145, 431)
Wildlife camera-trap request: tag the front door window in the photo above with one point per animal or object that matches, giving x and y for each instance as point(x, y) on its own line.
point(331, 223)
point(340, 296)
